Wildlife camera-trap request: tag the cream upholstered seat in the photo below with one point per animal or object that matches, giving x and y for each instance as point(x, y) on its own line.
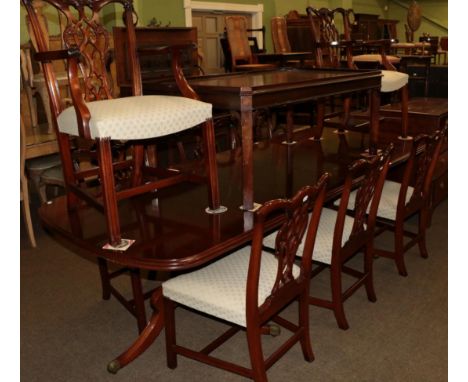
point(220, 288)
point(138, 117)
point(392, 81)
point(376, 57)
point(340, 237)
point(251, 287)
point(388, 201)
point(324, 241)
point(400, 201)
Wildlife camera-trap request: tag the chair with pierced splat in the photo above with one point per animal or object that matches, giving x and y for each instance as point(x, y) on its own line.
point(99, 119)
point(250, 287)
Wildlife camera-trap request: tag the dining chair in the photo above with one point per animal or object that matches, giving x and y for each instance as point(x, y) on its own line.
point(341, 236)
point(279, 34)
point(329, 53)
point(411, 196)
point(101, 120)
point(24, 190)
point(376, 51)
point(249, 287)
point(392, 80)
point(242, 57)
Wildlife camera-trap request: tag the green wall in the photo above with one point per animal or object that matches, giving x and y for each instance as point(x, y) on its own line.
point(436, 10)
point(172, 11)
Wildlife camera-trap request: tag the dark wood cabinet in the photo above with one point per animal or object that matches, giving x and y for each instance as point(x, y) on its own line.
point(388, 28)
point(366, 27)
point(155, 67)
point(299, 32)
point(426, 115)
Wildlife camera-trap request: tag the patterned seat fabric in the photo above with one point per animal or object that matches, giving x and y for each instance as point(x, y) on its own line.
point(219, 289)
point(138, 117)
point(388, 201)
point(324, 239)
point(393, 80)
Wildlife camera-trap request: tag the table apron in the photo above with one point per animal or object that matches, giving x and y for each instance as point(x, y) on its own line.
point(227, 99)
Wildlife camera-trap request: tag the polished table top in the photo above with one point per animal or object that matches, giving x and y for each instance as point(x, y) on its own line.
point(170, 227)
point(249, 91)
point(289, 85)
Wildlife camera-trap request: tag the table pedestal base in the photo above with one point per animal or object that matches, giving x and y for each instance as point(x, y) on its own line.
point(146, 337)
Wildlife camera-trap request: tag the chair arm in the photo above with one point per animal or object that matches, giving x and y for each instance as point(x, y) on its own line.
point(72, 56)
point(177, 70)
point(383, 46)
point(53, 55)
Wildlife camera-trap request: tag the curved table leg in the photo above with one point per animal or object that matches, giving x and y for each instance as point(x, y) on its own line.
point(146, 337)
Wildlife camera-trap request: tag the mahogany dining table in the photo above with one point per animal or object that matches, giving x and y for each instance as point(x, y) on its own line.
point(171, 229)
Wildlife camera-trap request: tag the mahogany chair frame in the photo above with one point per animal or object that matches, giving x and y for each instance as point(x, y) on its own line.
point(327, 51)
point(86, 47)
point(382, 46)
point(279, 34)
point(285, 290)
point(241, 54)
point(370, 175)
point(331, 50)
point(418, 172)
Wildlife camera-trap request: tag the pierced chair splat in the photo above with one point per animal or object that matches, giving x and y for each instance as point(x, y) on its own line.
point(340, 237)
point(402, 200)
point(250, 287)
point(328, 51)
point(392, 80)
point(102, 120)
point(331, 52)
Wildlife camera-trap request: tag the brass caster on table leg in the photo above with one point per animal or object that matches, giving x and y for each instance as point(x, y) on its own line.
point(275, 330)
point(113, 366)
point(288, 143)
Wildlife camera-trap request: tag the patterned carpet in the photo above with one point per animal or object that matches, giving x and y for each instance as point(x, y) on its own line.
point(68, 333)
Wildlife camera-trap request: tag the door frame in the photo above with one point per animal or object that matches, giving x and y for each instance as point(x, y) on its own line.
point(256, 10)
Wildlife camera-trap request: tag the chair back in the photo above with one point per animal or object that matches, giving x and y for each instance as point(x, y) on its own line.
point(419, 171)
point(326, 37)
point(369, 175)
point(83, 32)
point(38, 6)
point(238, 40)
point(296, 223)
point(279, 34)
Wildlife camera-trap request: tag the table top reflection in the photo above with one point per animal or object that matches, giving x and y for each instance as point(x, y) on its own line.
point(170, 227)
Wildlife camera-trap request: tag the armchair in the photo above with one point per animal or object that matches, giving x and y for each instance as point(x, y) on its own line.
point(329, 52)
point(239, 47)
point(102, 121)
